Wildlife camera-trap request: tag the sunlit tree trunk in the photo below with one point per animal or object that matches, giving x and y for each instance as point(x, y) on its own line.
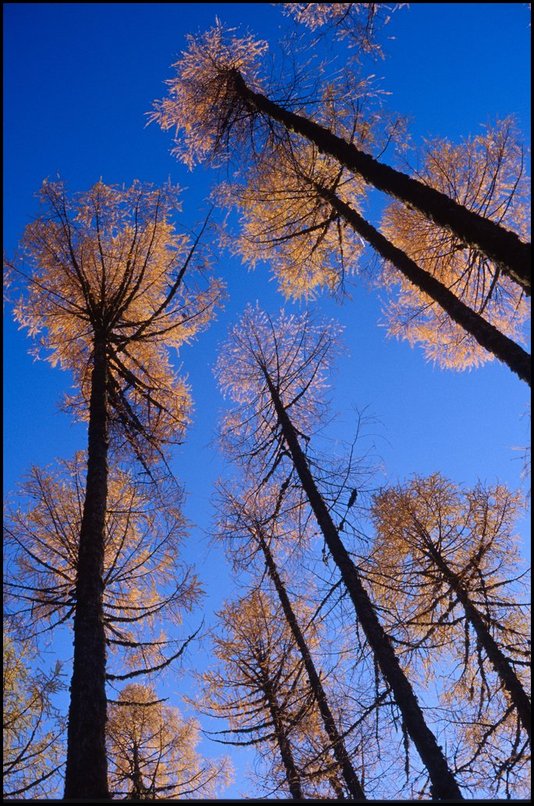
point(502, 347)
point(498, 660)
point(499, 244)
point(338, 746)
point(443, 783)
point(86, 770)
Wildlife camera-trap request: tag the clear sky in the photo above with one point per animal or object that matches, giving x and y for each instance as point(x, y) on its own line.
point(79, 79)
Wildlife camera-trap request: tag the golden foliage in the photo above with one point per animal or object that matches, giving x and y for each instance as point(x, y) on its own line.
point(31, 748)
point(152, 751)
point(287, 221)
point(355, 21)
point(423, 527)
point(486, 175)
point(107, 267)
point(144, 581)
point(202, 104)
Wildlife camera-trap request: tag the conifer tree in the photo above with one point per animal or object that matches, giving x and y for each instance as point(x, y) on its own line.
point(446, 561)
point(274, 373)
point(152, 751)
point(254, 519)
point(103, 280)
point(216, 103)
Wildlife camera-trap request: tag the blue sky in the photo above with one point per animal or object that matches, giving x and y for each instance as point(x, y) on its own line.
point(78, 81)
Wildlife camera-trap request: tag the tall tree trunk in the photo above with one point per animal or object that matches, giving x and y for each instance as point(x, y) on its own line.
point(86, 770)
point(284, 745)
point(503, 348)
point(499, 244)
point(338, 746)
point(498, 660)
point(443, 783)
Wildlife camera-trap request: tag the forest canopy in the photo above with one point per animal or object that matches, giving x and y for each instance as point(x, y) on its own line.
point(267, 297)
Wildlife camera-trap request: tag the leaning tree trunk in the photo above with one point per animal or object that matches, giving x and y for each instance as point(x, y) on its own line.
point(338, 746)
point(499, 244)
point(498, 660)
point(503, 348)
point(284, 745)
point(86, 770)
point(443, 783)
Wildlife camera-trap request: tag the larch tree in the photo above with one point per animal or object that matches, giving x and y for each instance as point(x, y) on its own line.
point(299, 211)
point(152, 751)
point(275, 373)
point(144, 582)
point(356, 22)
point(103, 280)
point(254, 519)
point(258, 687)
point(486, 173)
point(216, 104)
point(301, 201)
point(31, 727)
point(446, 572)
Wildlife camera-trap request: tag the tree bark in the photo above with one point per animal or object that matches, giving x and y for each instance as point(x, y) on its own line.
point(503, 348)
point(499, 244)
point(338, 746)
point(497, 658)
point(86, 769)
point(292, 775)
point(443, 783)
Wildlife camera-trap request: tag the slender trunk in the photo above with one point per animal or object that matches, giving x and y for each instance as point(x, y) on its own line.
point(499, 244)
point(138, 789)
point(498, 660)
point(284, 745)
point(443, 783)
point(338, 746)
point(86, 770)
point(503, 348)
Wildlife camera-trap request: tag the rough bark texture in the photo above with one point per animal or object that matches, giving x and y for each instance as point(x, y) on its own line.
point(293, 778)
point(499, 244)
point(503, 348)
point(443, 783)
point(338, 746)
point(86, 770)
point(498, 660)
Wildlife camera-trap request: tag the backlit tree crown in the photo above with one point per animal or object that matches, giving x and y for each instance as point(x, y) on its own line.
point(294, 354)
point(108, 267)
point(485, 174)
point(202, 104)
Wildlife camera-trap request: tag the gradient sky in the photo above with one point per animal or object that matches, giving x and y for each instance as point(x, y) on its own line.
point(78, 82)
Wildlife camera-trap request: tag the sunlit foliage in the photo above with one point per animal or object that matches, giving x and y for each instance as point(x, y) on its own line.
point(152, 750)
point(202, 104)
point(486, 174)
point(259, 687)
point(145, 583)
point(297, 352)
point(357, 22)
point(446, 573)
point(31, 750)
point(108, 266)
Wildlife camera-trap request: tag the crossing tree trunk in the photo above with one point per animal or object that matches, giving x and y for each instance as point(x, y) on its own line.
point(503, 348)
point(443, 783)
point(338, 746)
point(499, 244)
point(500, 663)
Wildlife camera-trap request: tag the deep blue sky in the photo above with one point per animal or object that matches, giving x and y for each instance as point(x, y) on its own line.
point(78, 82)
